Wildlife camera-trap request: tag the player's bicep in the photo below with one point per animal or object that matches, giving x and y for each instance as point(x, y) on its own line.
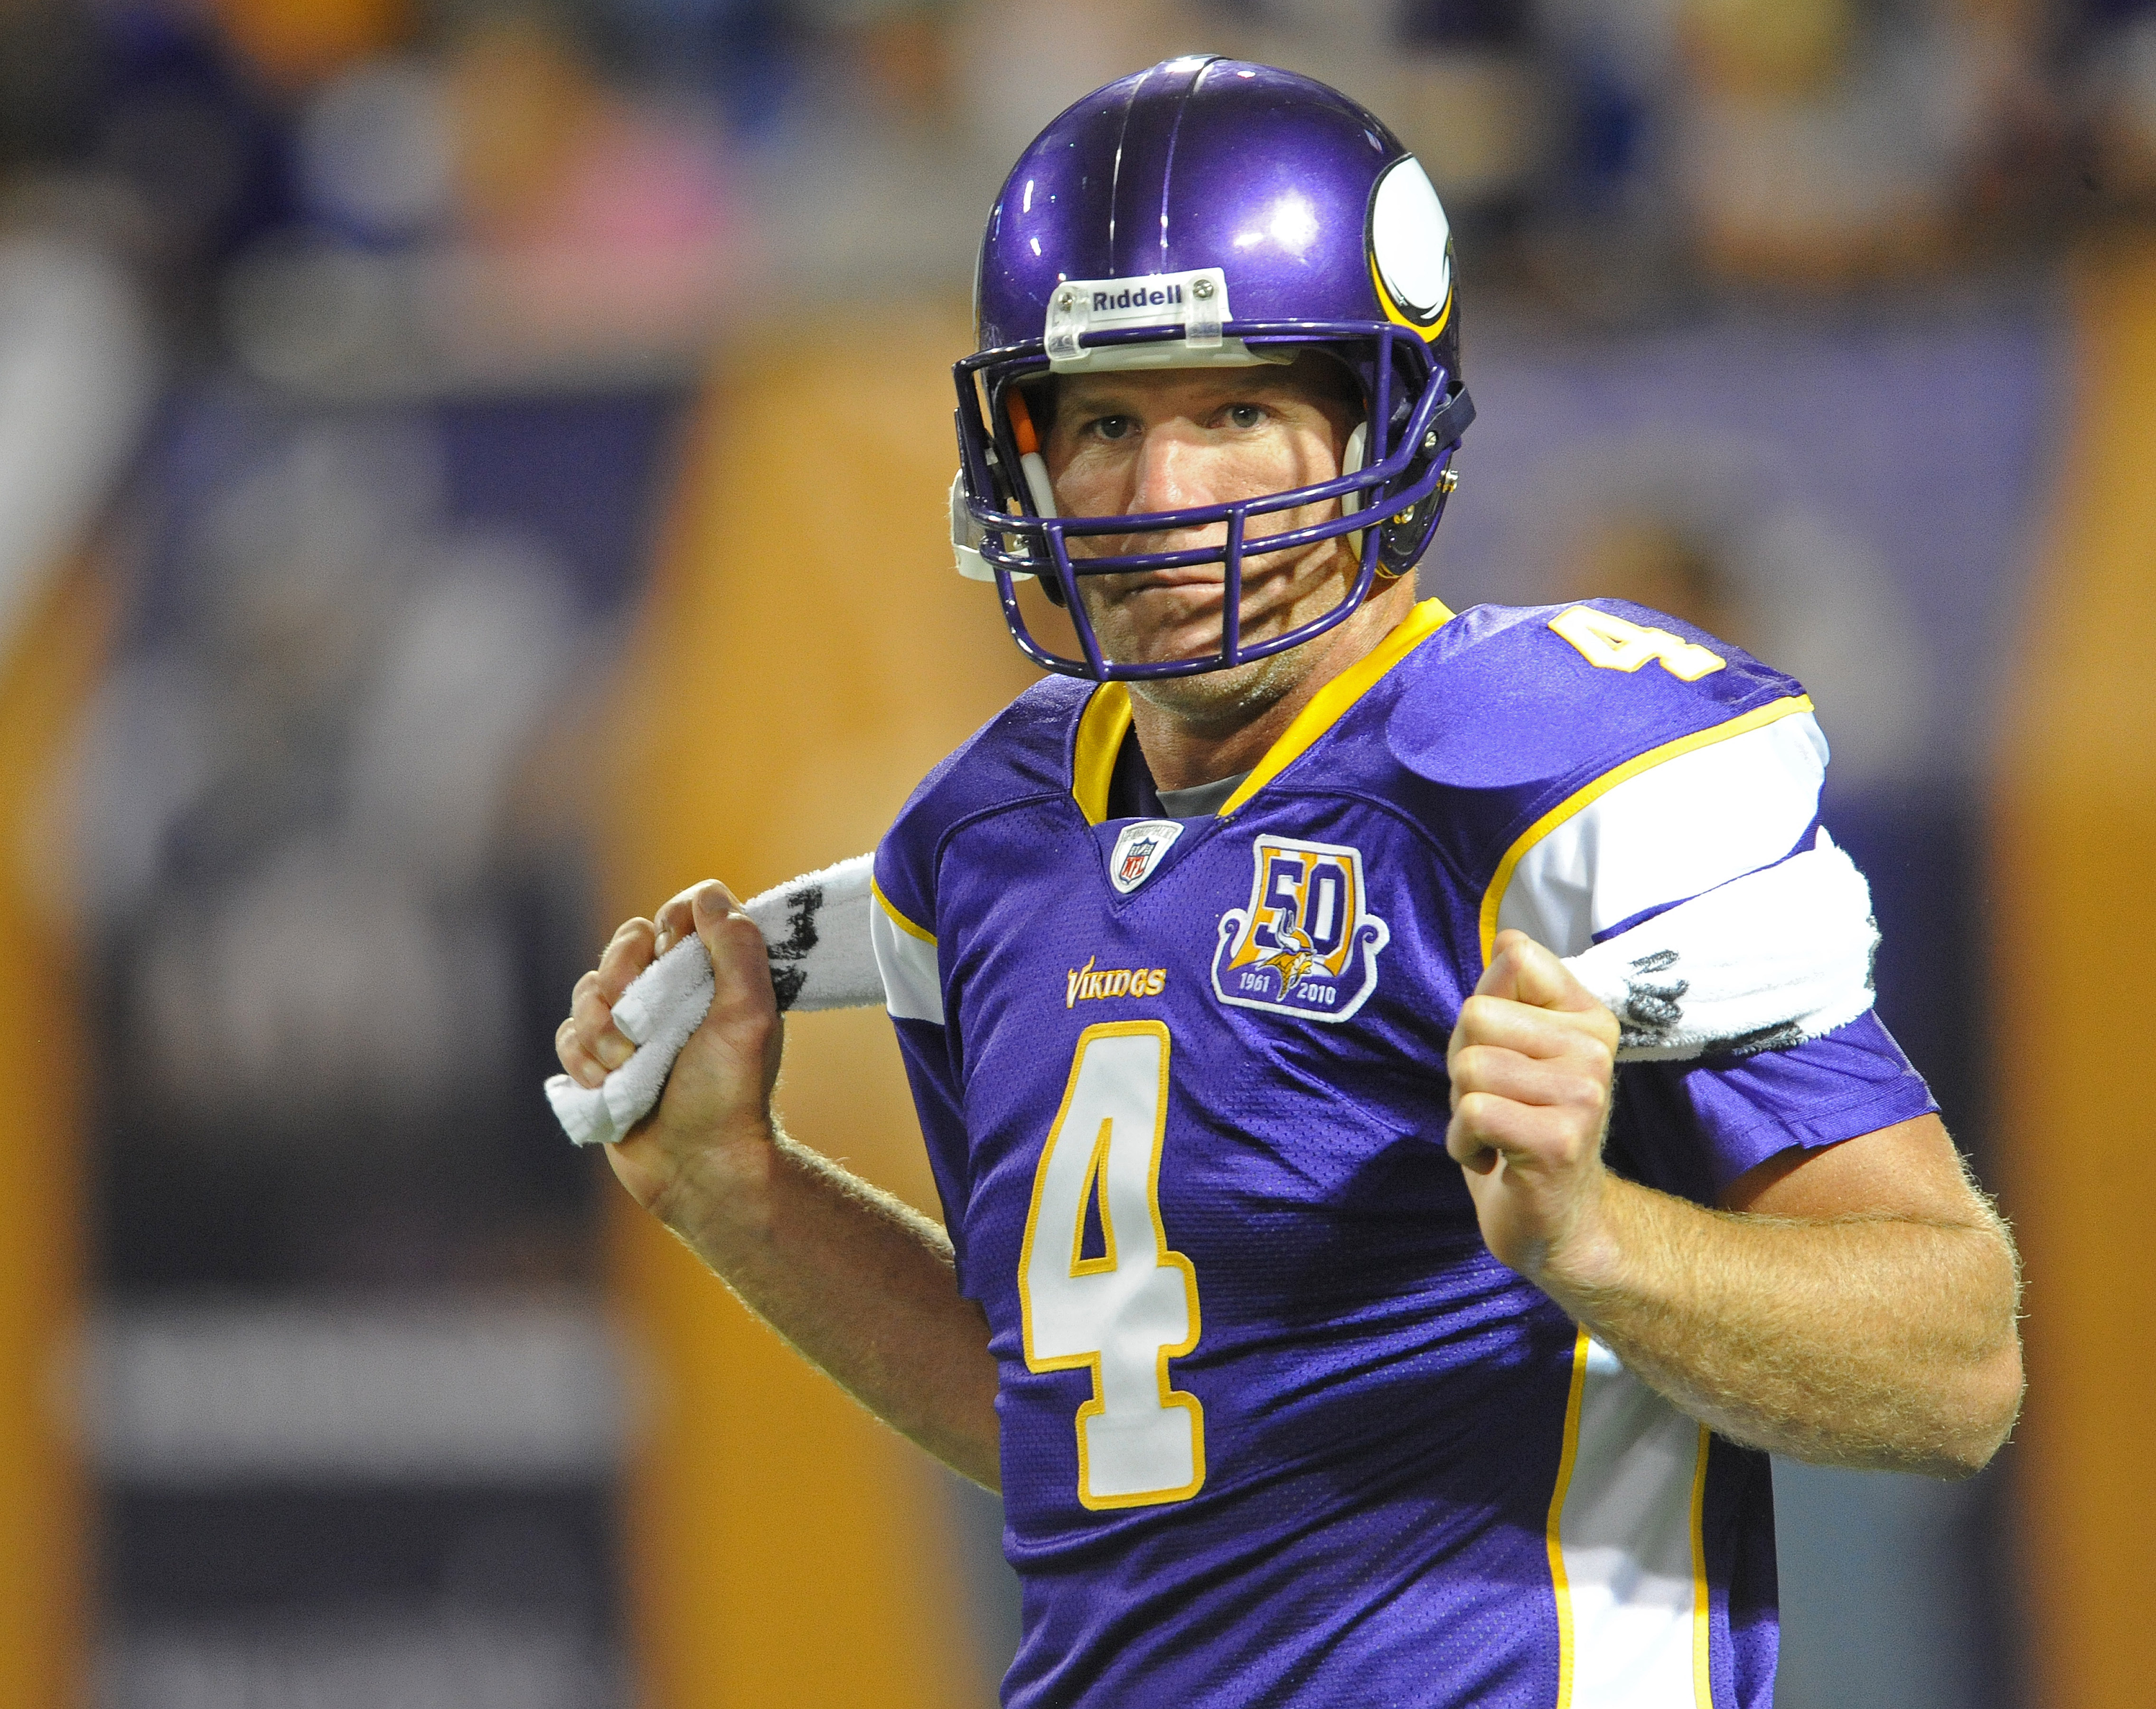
point(1909, 1169)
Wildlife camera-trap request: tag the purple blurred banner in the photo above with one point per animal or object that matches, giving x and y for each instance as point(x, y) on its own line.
point(1851, 498)
point(1856, 500)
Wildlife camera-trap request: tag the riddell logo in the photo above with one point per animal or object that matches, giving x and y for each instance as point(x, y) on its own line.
point(1137, 297)
point(1083, 984)
point(1078, 308)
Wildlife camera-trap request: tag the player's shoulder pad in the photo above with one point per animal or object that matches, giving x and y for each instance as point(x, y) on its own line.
point(1020, 754)
point(1505, 697)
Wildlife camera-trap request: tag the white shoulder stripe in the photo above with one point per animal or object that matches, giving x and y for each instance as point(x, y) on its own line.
point(1693, 822)
point(912, 982)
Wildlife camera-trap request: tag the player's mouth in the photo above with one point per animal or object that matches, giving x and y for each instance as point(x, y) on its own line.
point(1203, 576)
point(1170, 600)
point(1153, 616)
point(1259, 567)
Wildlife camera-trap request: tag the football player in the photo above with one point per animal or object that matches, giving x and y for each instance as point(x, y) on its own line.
point(1336, 1324)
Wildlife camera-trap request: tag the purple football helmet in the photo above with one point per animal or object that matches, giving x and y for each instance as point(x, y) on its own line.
point(1209, 213)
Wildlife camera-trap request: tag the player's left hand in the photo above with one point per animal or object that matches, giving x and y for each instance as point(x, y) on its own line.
point(1532, 1060)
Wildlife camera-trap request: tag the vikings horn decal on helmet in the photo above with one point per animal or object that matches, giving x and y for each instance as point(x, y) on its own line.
point(1209, 213)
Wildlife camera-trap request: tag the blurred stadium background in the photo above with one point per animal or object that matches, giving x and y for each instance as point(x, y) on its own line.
point(469, 467)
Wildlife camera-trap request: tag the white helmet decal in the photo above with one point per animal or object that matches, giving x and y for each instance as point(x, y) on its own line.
point(1409, 233)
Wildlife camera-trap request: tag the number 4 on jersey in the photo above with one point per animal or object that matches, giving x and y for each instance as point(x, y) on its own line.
point(1129, 1309)
point(1609, 642)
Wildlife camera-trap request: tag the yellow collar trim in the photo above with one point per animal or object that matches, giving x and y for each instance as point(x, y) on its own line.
point(1107, 719)
point(896, 918)
point(1330, 704)
point(1101, 727)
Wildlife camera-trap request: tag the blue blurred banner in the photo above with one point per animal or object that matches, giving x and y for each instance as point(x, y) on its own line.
point(333, 867)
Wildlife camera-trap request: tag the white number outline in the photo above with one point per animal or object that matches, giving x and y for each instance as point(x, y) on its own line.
point(1609, 642)
point(1095, 1181)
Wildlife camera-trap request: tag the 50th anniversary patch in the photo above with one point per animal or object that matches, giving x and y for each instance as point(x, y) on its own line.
point(1307, 943)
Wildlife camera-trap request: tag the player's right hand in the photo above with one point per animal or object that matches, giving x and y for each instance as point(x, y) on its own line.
point(590, 1045)
point(699, 1153)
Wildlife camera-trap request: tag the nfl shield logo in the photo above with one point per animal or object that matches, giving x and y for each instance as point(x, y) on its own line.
point(1137, 851)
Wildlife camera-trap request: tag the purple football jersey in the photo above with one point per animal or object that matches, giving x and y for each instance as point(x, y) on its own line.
point(1276, 1426)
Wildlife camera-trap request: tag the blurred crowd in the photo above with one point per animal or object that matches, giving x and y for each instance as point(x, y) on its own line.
point(369, 194)
point(361, 353)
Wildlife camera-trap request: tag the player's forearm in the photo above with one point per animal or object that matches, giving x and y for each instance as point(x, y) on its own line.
point(862, 1286)
point(1880, 1343)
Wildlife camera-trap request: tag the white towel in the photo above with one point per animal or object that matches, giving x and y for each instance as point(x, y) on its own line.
point(816, 928)
point(1765, 961)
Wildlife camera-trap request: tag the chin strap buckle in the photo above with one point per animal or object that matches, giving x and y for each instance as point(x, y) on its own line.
point(968, 537)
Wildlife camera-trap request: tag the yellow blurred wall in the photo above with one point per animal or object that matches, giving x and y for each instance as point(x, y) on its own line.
point(296, 42)
point(49, 667)
point(2075, 895)
point(808, 655)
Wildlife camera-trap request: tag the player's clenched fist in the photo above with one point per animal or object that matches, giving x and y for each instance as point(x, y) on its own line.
point(708, 1141)
point(1532, 1060)
point(590, 1045)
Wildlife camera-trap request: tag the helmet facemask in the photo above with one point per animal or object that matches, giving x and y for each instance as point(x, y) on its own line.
point(1390, 497)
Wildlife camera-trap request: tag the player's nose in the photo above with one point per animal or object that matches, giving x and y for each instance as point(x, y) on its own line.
point(1175, 470)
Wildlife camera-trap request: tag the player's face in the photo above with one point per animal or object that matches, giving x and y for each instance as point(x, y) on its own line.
point(1166, 439)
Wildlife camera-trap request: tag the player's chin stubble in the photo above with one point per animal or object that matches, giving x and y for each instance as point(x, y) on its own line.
point(1221, 701)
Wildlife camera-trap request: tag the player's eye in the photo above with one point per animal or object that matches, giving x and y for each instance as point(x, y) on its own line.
point(1244, 416)
point(1112, 427)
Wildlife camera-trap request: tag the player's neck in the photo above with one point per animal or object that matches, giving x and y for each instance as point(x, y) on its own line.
point(1186, 745)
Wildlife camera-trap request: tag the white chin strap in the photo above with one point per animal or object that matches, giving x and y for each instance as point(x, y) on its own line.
point(1351, 462)
point(966, 534)
point(1036, 483)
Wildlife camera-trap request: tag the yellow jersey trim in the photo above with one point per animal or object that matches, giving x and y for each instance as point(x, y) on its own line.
point(898, 919)
point(1560, 1586)
point(1702, 1671)
point(1101, 727)
point(1758, 716)
point(1331, 703)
